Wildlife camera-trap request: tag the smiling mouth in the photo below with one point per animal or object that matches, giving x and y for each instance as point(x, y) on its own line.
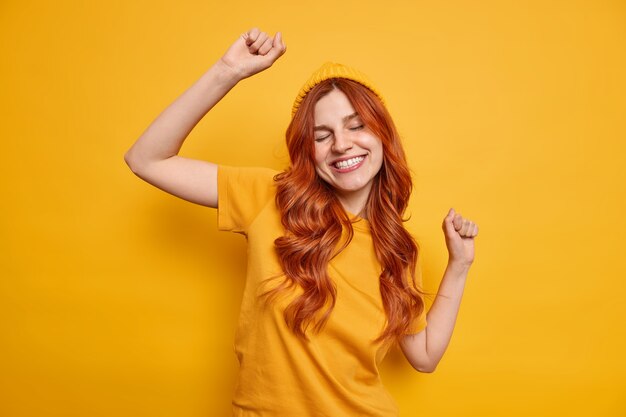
point(349, 163)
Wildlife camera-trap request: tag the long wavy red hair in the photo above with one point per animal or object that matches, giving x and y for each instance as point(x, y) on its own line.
point(314, 220)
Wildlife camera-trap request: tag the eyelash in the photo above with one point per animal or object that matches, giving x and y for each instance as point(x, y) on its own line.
point(359, 127)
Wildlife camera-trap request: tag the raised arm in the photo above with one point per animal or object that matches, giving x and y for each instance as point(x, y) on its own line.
point(154, 156)
point(425, 349)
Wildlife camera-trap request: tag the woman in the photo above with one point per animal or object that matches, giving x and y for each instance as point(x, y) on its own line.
point(331, 269)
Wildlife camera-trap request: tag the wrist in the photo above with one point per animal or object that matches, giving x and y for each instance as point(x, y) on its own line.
point(459, 267)
point(226, 72)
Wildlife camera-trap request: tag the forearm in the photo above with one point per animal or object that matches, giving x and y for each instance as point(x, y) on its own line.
point(443, 313)
point(166, 134)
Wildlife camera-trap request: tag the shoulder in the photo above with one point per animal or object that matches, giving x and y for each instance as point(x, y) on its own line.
point(242, 194)
point(255, 173)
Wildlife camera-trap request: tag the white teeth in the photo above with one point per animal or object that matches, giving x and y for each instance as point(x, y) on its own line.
point(349, 162)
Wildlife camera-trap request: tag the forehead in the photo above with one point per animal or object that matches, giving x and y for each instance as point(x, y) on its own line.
point(333, 108)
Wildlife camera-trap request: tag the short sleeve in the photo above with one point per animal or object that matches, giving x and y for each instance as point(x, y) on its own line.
point(419, 323)
point(242, 194)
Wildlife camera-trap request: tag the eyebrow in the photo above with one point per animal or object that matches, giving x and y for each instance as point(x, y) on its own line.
point(345, 119)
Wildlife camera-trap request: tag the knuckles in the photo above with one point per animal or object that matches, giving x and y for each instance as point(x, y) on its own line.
point(464, 226)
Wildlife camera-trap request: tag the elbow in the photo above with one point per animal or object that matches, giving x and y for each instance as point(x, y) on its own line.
point(128, 159)
point(132, 164)
point(425, 367)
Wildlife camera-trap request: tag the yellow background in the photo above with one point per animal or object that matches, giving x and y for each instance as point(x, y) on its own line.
point(118, 299)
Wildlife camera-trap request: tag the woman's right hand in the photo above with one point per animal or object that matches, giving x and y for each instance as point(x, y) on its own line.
point(253, 52)
point(154, 156)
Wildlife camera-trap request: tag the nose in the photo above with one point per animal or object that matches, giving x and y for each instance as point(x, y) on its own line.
point(342, 143)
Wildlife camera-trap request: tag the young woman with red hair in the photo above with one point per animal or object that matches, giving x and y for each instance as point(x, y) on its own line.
point(331, 281)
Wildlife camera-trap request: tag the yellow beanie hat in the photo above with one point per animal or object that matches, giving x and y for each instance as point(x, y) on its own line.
point(333, 70)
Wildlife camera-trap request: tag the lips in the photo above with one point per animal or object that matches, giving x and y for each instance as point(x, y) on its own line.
point(348, 163)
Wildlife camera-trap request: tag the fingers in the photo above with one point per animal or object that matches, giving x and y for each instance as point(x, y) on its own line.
point(251, 36)
point(465, 227)
point(468, 228)
point(448, 225)
point(260, 43)
point(255, 40)
point(265, 48)
point(278, 46)
point(458, 222)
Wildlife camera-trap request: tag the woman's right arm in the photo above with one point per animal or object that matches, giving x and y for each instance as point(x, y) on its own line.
point(154, 156)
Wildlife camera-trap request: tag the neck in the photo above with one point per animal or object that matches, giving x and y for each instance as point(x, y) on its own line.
point(355, 203)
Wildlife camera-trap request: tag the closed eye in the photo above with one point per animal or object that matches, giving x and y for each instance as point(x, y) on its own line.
point(322, 138)
point(359, 127)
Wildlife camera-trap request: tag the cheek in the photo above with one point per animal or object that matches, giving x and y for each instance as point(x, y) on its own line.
point(377, 155)
point(320, 155)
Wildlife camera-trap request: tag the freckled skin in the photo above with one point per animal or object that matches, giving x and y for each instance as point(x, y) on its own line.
point(343, 140)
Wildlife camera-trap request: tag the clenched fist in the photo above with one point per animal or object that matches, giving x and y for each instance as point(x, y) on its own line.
point(253, 52)
point(460, 234)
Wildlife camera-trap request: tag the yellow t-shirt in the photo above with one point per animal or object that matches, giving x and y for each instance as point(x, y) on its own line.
point(335, 373)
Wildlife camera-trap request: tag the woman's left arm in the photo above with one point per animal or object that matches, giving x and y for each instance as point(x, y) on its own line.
point(425, 349)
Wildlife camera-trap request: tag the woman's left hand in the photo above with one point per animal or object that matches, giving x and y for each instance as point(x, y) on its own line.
point(460, 234)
